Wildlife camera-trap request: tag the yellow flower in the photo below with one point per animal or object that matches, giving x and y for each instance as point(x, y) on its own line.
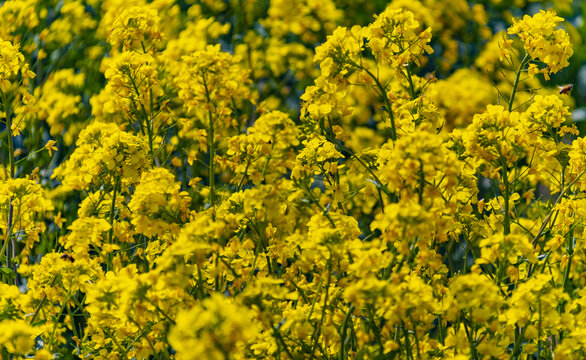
point(532, 70)
point(102, 150)
point(15, 130)
point(58, 220)
point(395, 38)
point(59, 103)
point(158, 205)
point(17, 336)
point(50, 147)
point(136, 27)
point(11, 61)
point(43, 354)
point(505, 46)
point(543, 41)
point(217, 326)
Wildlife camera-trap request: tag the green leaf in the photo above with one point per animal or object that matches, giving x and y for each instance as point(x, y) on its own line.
point(7, 271)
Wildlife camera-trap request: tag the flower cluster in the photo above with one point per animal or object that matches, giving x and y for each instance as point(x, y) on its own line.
point(289, 180)
point(543, 41)
point(104, 152)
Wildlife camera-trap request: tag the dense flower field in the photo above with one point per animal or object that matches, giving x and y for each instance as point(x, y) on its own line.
point(291, 179)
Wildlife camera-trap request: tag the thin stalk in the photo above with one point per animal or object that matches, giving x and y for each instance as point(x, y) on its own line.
point(264, 170)
point(211, 144)
point(470, 341)
point(539, 329)
point(344, 331)
point(416, 338)
point(519, 333)
point(570, 256)
point(548, 217)
point(113, 210)
point(407, 344)
point(10, 250)
point(321, 208)
point(149, 126)
point(410, 80)
point(32, 322)
point(149, 342)
point(300, 290)
point(63, 308)
point(506, 195)
point(200, 289)
point(421, 183)
point(324, 307)
point(112, 213)
point(317, 293)
point(385, 98)
point(380, 186)
point(374, 327)
point(516, 83)
point(113, 338)
point(279, 337)
point(241, 182)
point(146, 118)
point(159, 310)
point(440, 329)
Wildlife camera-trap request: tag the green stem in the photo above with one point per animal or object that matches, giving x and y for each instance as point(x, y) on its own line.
point(149, 342)
point(470, 341)
point(150, 136)
point(421, 183)
point(392, 197)
point(113, 338)
point(300, 290)
point(200, 288)
point(159, 310)
point(10, 250)
point(407, 344)
point(113, 210)
point(241, 182)
point(146, 118)
point(32, 322)
point(519, 333)
point(112, 213)
point(548, 217)
point(570, 256)
point(416, 337)
point(539, 329)
point(264, 170)
point(211, 144)
point(385, 98)
point(370, 312)
point(129, 346)
point(506, 195)
point(410, 80)
point(324, 307)
point(315, 200)
point(73, 325)
point(516, 83)
point(344, 331)
point(57, 322)
point(440, 329)
point(279, 338)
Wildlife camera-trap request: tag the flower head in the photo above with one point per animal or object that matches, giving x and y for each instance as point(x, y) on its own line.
point(543, 41)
